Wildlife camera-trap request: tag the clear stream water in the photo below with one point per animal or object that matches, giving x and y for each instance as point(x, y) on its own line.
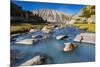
point(85, 52)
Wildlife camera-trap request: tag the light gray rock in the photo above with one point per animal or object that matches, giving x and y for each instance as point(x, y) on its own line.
point(26, 41)
point(47, 29)
point(40, 37)
point(33, 30)
point(91, 19)
point(85, 37)
point(60, 37)
point(69, 47)
point(57, 28)
point(14, 35)
point(37, 60)
point(36, 36)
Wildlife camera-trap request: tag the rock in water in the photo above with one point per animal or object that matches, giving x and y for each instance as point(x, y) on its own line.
point(37, 60)
point(40, 37)
point(69, 47)
point(57, 28)
point(47, 29)
point(45, 37)
point(60, 37)
point(85, 37)
point(26, 42)
point(32, 30)
point(37, 36)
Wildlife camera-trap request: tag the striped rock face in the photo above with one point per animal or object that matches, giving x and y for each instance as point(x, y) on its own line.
point(52, 15)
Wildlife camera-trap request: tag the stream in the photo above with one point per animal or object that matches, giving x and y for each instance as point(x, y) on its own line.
point(85, 52)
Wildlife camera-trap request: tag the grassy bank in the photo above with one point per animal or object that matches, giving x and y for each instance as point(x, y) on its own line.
point(24, 27)
point(87, 27)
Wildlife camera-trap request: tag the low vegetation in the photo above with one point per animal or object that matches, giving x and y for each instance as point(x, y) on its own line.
point(87, 27)
point(88, 11)
point(24, 27)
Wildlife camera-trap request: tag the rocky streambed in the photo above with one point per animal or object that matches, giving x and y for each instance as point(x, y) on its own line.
point(48, 45)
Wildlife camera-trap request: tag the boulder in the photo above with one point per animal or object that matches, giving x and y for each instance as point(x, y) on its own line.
point(37, 60)
point(26, 41)
point(91, 19)
point(14, 36)
point(69, 47)
point(54, 26)
point(85, 37)
point(57, 28)
point(40, 37)
point(34, 36)
point(60, 37)
point(33, 30)
point(47, 29)
point(37, 36)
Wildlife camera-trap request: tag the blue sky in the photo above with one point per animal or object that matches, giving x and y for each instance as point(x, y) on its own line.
point(66, 8)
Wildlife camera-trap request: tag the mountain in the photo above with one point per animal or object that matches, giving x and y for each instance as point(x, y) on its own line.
point(52, 15)
point(39, 15)
point(85, 15)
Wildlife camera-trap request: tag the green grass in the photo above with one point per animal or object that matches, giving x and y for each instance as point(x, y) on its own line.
point(23, 27)
point(87, 27)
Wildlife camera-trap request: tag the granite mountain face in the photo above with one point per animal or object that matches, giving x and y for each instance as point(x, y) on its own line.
point(52, 15)
point(85, 15)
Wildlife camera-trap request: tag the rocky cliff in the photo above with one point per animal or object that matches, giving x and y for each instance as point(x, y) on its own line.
point(86, 15)
point(52, 15)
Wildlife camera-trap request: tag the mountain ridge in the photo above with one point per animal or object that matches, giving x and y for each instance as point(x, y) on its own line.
point(51, 15)
point(85, 15)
